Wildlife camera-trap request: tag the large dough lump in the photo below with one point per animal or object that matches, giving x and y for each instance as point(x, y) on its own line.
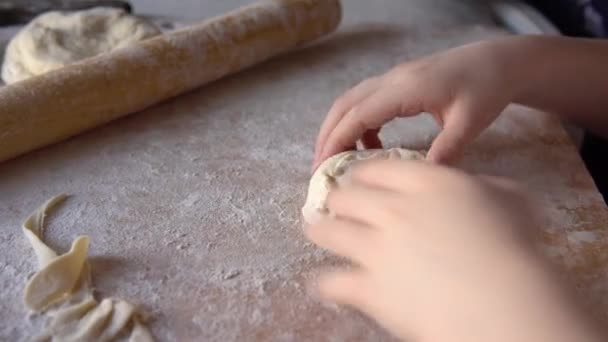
point(56, 39)
point(332, 171)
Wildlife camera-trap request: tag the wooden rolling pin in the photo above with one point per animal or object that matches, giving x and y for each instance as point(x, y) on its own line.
point(65, 102)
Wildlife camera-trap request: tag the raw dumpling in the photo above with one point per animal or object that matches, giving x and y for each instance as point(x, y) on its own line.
point(330, 172)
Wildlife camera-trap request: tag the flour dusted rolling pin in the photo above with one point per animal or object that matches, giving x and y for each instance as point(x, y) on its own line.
point(62, 103)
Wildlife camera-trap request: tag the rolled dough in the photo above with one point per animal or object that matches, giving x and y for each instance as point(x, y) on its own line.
point(62, 289)
point(332, 171)
point(56, 39)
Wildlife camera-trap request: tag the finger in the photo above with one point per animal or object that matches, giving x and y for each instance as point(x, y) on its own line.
point(345, 287)
point(370, 206)
point(462, 125)
point(398, 176)
point(341, 106)
point(382, 106)
point(348, 239)
point(316, 164)
point(370, 139)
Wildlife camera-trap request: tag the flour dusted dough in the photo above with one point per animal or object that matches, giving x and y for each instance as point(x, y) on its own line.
point(62, 289)
point(55, 39)
point(331, 171)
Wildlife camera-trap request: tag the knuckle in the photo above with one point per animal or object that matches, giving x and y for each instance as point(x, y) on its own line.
point(341, 102)
point(359, 125)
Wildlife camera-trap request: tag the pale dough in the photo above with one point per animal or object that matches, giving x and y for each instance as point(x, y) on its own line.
point(332, 171)
point(62, 289)
point(56, 39)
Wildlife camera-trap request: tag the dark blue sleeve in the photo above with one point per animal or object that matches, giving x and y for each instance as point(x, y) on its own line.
point(585, 18)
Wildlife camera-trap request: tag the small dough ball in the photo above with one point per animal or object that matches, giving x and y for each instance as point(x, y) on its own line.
point(332, 171)
point(55, 39)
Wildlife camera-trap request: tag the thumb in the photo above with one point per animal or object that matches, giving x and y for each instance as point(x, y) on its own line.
point(460, 129)
point(446, 148)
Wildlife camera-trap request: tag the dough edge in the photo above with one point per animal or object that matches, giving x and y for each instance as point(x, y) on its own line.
point(331, 170)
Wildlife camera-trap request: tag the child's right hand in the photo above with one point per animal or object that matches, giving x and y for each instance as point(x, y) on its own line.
point(464, 88)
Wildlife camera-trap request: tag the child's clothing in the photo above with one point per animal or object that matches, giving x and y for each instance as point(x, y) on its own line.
point(581, 18)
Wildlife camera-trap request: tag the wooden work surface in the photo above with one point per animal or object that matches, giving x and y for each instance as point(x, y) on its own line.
point(193, 206)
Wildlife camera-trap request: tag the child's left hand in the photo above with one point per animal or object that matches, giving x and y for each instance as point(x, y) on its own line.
point(443, 256)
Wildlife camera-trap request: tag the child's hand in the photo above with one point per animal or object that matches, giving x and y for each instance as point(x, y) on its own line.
point(464, 88)
point(443, 256)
